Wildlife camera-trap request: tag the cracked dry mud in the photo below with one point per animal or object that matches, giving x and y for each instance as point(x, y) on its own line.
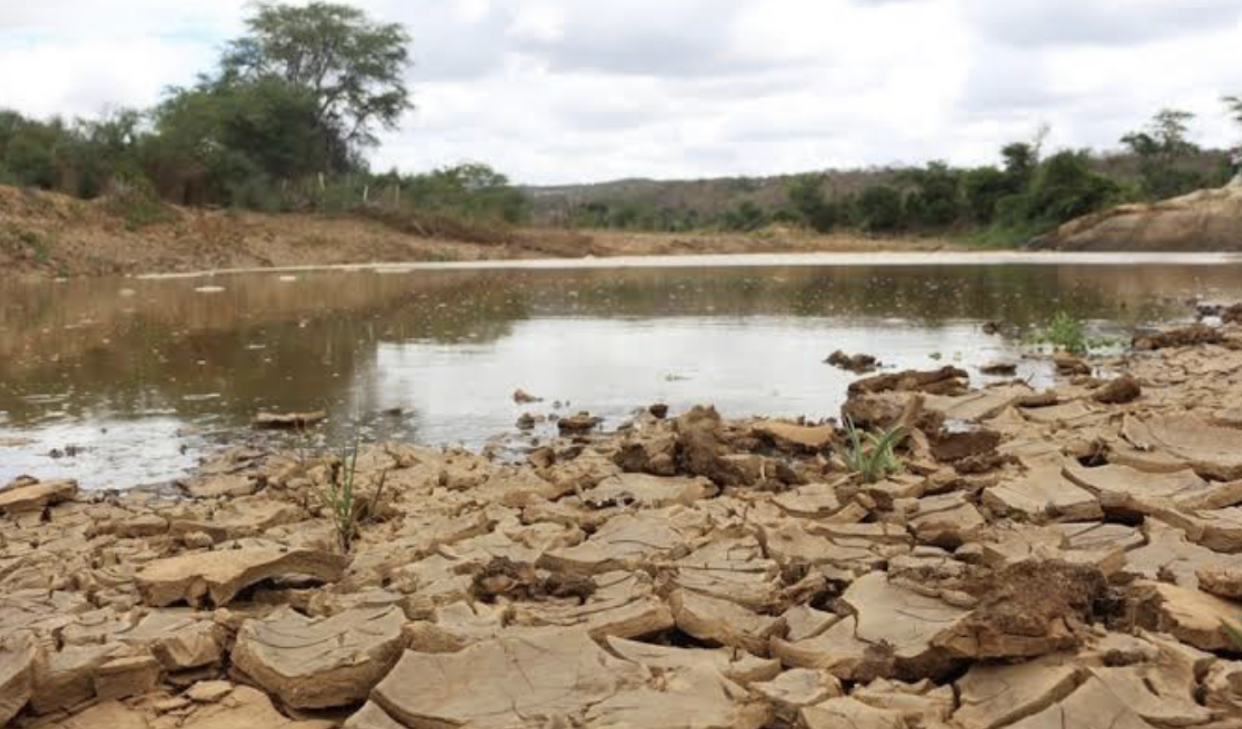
point(1056, 559)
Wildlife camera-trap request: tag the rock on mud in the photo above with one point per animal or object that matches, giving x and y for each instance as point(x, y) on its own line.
point(859, 364)
point(320, 663)
point(24, 496)
point(1191, 336)
point(944, 381)
point(288, 421)
point(217, 577)
point(1120, 391)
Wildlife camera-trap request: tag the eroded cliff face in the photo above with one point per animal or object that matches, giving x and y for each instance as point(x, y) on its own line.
point(1206, 220)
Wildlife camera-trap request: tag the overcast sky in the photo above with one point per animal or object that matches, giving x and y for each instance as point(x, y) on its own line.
point(584, 90)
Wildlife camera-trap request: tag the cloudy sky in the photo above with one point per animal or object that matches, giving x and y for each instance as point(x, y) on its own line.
point(582, 90)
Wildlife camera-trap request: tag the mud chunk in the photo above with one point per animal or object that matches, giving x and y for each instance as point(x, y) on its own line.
point(579, 424)
point(723, 622)
point(656, 455)
point(288, 421)
point(796, 438)
point(522, 397)
point(129, 676)
point(1221, 581)
point(996, 695)
point(1120, 391)
point(1213, 451)
point(859, 364)
point(503, 682)
point(795, 690)
point(1029, 609)
point(1192, 616)
point(1232, 314)
point(1069, 365)
point(1043, 493)
point(906, 623)
point(1191, 336)
point(652, 492)
point(319, 663)
point(19, 656)
point(25, 496)
point(219, 576)
point(1090, 706)
point(733, 664)
point(950, 447)
point(850, 712)
point(502, 577)
point(944, 381)
point(701, 448)
point(209, 692)
point(1000, 369)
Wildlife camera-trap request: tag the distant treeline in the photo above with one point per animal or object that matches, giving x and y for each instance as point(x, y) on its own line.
point(283, 121)
point(280, 125)
point(1028, 194)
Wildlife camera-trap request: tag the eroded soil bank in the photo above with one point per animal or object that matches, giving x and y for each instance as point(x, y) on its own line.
point(46, 234)
point(1065, 558)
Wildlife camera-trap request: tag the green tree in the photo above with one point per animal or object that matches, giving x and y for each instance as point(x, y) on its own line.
point(1065, 188)
point(1160, 147)
point(934, 201)
point(1021, 160)
point(982, 189)
point(878, 209)
point(813, 209)
point(1234, 105)
point(351, 66)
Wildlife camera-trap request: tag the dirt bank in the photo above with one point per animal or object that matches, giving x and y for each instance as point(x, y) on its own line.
point(1207, 220)
point(46, 234)
point(1063, 558)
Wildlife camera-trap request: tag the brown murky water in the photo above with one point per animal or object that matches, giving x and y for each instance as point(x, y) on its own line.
point(128, 381)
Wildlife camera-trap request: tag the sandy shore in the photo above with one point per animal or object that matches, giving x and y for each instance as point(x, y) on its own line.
point(1077, 546)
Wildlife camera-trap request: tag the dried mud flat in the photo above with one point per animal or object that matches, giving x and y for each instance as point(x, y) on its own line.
point(1057, 559)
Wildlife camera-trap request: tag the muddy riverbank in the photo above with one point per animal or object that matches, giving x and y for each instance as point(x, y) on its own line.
point(1067, 557)
point(47, 235)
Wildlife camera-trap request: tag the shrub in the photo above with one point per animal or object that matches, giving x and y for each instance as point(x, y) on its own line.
point(878, 209)
point(1065, 188)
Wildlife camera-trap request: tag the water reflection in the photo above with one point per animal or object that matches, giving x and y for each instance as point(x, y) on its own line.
point(144, 373)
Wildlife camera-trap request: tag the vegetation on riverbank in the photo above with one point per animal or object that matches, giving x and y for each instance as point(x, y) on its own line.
point(284, 120)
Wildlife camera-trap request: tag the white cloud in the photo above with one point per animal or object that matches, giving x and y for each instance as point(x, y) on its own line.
point(579, 90)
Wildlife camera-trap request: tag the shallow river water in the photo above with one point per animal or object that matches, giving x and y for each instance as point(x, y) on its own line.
point(120, 382)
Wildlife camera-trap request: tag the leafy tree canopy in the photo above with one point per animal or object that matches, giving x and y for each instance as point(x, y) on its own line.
point(353, 67)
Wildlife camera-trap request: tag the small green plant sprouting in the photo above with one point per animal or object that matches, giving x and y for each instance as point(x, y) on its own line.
point(875, 458)
point(1066, 333)
point(346, 506)
point(1233, 631)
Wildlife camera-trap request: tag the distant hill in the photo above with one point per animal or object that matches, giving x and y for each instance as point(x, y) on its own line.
point(712, 196)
